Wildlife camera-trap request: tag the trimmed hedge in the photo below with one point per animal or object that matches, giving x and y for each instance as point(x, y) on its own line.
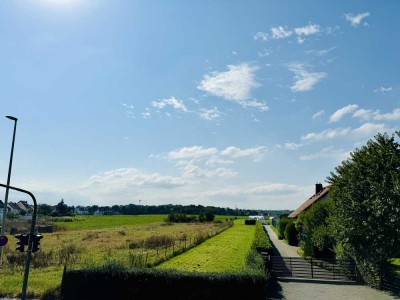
point(108, 283)
point(261, 242)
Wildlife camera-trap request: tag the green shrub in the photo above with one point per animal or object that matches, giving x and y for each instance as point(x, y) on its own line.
point(282, 226)
point(291, 234)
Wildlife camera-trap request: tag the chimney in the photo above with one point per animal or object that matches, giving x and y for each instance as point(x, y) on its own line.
point(318, 188)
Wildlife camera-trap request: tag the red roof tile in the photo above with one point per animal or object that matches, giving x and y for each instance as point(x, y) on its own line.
point(310, 201)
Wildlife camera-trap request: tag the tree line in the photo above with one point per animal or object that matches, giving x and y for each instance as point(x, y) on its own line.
point(62, 209)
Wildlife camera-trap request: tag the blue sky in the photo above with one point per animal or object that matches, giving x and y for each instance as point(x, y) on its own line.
point(243, 104)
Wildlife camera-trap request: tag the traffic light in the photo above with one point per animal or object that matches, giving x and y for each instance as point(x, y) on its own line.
point(36, 242)
point(23, 240)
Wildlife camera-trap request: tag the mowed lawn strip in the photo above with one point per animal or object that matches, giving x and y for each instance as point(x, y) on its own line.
point(226, 252)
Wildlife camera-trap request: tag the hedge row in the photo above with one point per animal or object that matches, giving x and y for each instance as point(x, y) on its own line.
point(261, 242)
point(146, 283)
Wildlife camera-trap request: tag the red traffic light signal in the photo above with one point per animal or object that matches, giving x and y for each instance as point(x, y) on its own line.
point(36, 242)
point(23, 240)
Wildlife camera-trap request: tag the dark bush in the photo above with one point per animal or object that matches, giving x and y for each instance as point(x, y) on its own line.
point(291, 234)
point(282, 226)
point(250, 222)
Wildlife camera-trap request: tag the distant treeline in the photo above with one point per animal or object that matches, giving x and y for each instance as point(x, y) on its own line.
point(134, 209)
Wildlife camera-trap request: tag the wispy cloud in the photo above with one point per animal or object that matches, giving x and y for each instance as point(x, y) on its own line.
point(392, 116)
point(261, 36)
point(365, 114)
point(318, 114)
point(280, 32)
point(328, 152)
point(383, 90)
point(210, 114)
point(365, 130)
point(172, 101)
point(146, 114)
point(235, 85)
point(130, 178)
point(320, 52)
point(305, 31)
point(234, 152)
point(355, 20)
point(283, 32)
point(199, 161)
point(191, 152)
point(338, 115)
point(292, 146)
point(129, 110)
point(304, 80)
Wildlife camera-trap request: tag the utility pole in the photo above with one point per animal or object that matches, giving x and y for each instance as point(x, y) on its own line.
point(3, 223)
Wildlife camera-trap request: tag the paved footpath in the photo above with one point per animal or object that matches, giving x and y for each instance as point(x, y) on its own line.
point(299, 289)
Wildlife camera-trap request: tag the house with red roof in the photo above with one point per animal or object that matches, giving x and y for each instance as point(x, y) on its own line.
point(321, 193)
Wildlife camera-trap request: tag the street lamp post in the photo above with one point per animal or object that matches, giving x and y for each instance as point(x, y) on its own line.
point(3, 224)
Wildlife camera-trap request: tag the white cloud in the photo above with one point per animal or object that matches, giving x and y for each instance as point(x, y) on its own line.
point(254, 103)
point(209, 114)
point(172, 101)
point(146, 114)
point(261, 36)
point(383, 90)
point(129, 178)
point(280, 32)
point(393, 116)
point(191, 152)
point(365, 114)
point(366, 130)
point(293, 146)
point(328, 152)
point(338, 115)
point(234, 85)
point(283, 32)
point(305, 31)
point(320, 52)
point(355, 20)
point(304, 80)
point(318, 114)
point(327, 134)
point(190, 169)
point(235, 152)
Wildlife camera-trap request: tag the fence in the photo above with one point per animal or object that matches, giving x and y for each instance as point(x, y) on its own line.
point(326, 269)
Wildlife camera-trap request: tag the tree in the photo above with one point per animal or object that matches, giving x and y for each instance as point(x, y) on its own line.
point(366, 196)
point(62, 208)
point(44, 209)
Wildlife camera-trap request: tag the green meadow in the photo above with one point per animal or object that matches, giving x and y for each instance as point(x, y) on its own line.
point(84, 241)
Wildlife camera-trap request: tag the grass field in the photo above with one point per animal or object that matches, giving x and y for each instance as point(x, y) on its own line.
point(98, 240)
point(213, 255)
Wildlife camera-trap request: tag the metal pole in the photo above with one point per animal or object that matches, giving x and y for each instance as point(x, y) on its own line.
point(31, 234)
point(3, 224)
